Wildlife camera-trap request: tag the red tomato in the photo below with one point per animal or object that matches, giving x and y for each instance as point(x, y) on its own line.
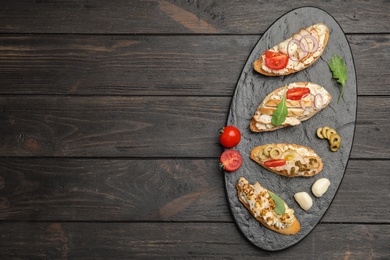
point(230, 160)
point(297, 93)
point(275, 60)
point(275, 162)
point(229, 136)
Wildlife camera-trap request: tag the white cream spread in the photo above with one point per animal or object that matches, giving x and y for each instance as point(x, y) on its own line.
point(297, 53)
point(262, 206)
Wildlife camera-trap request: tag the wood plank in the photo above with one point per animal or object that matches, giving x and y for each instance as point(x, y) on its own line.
point(111, 190)
point(163, 16)
point(376, 48)
point(111, 126)
point(372, 130)
point(362, 194)
point(146, 126)
point(153, 65)
point(122, 65)
point(53, 189)
point(178, 240)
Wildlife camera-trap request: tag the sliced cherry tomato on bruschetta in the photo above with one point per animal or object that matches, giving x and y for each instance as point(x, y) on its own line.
point(230, 160)
point(275, 60)
point(229, 136)
point(275, 163)
point(297, 93)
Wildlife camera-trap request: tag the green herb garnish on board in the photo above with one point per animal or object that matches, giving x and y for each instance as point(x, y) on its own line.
point(280, 113)
point(339, 72)
point(280, 208)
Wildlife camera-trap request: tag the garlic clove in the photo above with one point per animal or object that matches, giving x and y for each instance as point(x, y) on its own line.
point(320, 187)
point(304, 200)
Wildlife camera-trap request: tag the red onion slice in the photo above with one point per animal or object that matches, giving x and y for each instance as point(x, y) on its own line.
point(290, 55)
point(318, 101)
point(302, 102)
point(309, 43)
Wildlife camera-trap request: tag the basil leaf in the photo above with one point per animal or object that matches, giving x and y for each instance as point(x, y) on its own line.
point(280, 208)
point(280, 113)
point(339, 72)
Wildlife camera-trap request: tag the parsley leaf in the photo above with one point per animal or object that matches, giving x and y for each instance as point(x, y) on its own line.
point(339, 72)
point(280, 208)
point(280, 113)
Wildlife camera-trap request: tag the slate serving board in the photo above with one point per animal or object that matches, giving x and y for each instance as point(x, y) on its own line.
point(252, 88)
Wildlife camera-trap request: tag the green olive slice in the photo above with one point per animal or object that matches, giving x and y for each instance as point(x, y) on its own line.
point(275, 153)
point(330, 132)
point(267, 149)
point(324, 131)
point(334, 138)
point(319, 133)
point(334, 146)
point(262, 156)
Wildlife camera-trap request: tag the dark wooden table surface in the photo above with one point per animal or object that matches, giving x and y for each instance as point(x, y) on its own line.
point(109, 123)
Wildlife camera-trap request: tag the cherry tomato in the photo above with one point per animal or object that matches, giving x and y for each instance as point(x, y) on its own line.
point(229, 136)
point(275, 60)
point(297, 93)
point(275, 162)
point(230, 160)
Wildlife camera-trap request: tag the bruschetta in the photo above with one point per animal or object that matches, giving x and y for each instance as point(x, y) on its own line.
point(303, 100)
point(290, 160)
point(294, 54)
point(262, 205)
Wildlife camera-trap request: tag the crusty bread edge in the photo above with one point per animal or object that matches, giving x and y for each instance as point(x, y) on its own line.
point(257, 65)
point(253, 122)
point(259, 148)
point(290, 230)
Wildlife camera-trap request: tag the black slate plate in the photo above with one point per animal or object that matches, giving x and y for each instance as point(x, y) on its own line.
point(251, 90)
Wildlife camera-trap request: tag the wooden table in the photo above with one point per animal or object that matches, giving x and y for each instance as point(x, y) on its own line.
point(109, 123)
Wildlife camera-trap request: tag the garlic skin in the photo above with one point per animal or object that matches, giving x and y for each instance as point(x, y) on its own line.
point(304, 200)
point(320, 187)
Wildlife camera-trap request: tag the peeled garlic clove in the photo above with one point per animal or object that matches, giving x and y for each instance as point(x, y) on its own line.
point(320, 187)
point(304, 200)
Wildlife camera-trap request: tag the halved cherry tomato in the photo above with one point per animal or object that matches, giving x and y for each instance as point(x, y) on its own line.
point(297, 93)
point(230, 160)
point(275, 163)
point(229, 136)
point(275, 60)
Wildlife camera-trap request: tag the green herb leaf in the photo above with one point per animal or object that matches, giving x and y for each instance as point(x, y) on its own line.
point(339, 72)
point(280, 113)
point(280, 208)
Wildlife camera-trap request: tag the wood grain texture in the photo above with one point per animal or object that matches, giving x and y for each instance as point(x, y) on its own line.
point(122, 65)
point(164, 16)
point(159, 190)
point(357, 190)
point(178, 240)
point(111, 126)
point(154, 65)
point(146, 126)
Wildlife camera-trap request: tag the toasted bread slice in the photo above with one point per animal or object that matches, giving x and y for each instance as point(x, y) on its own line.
point(261, 205)
point(298, 110)
point(298, 51)
point(300, 161)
